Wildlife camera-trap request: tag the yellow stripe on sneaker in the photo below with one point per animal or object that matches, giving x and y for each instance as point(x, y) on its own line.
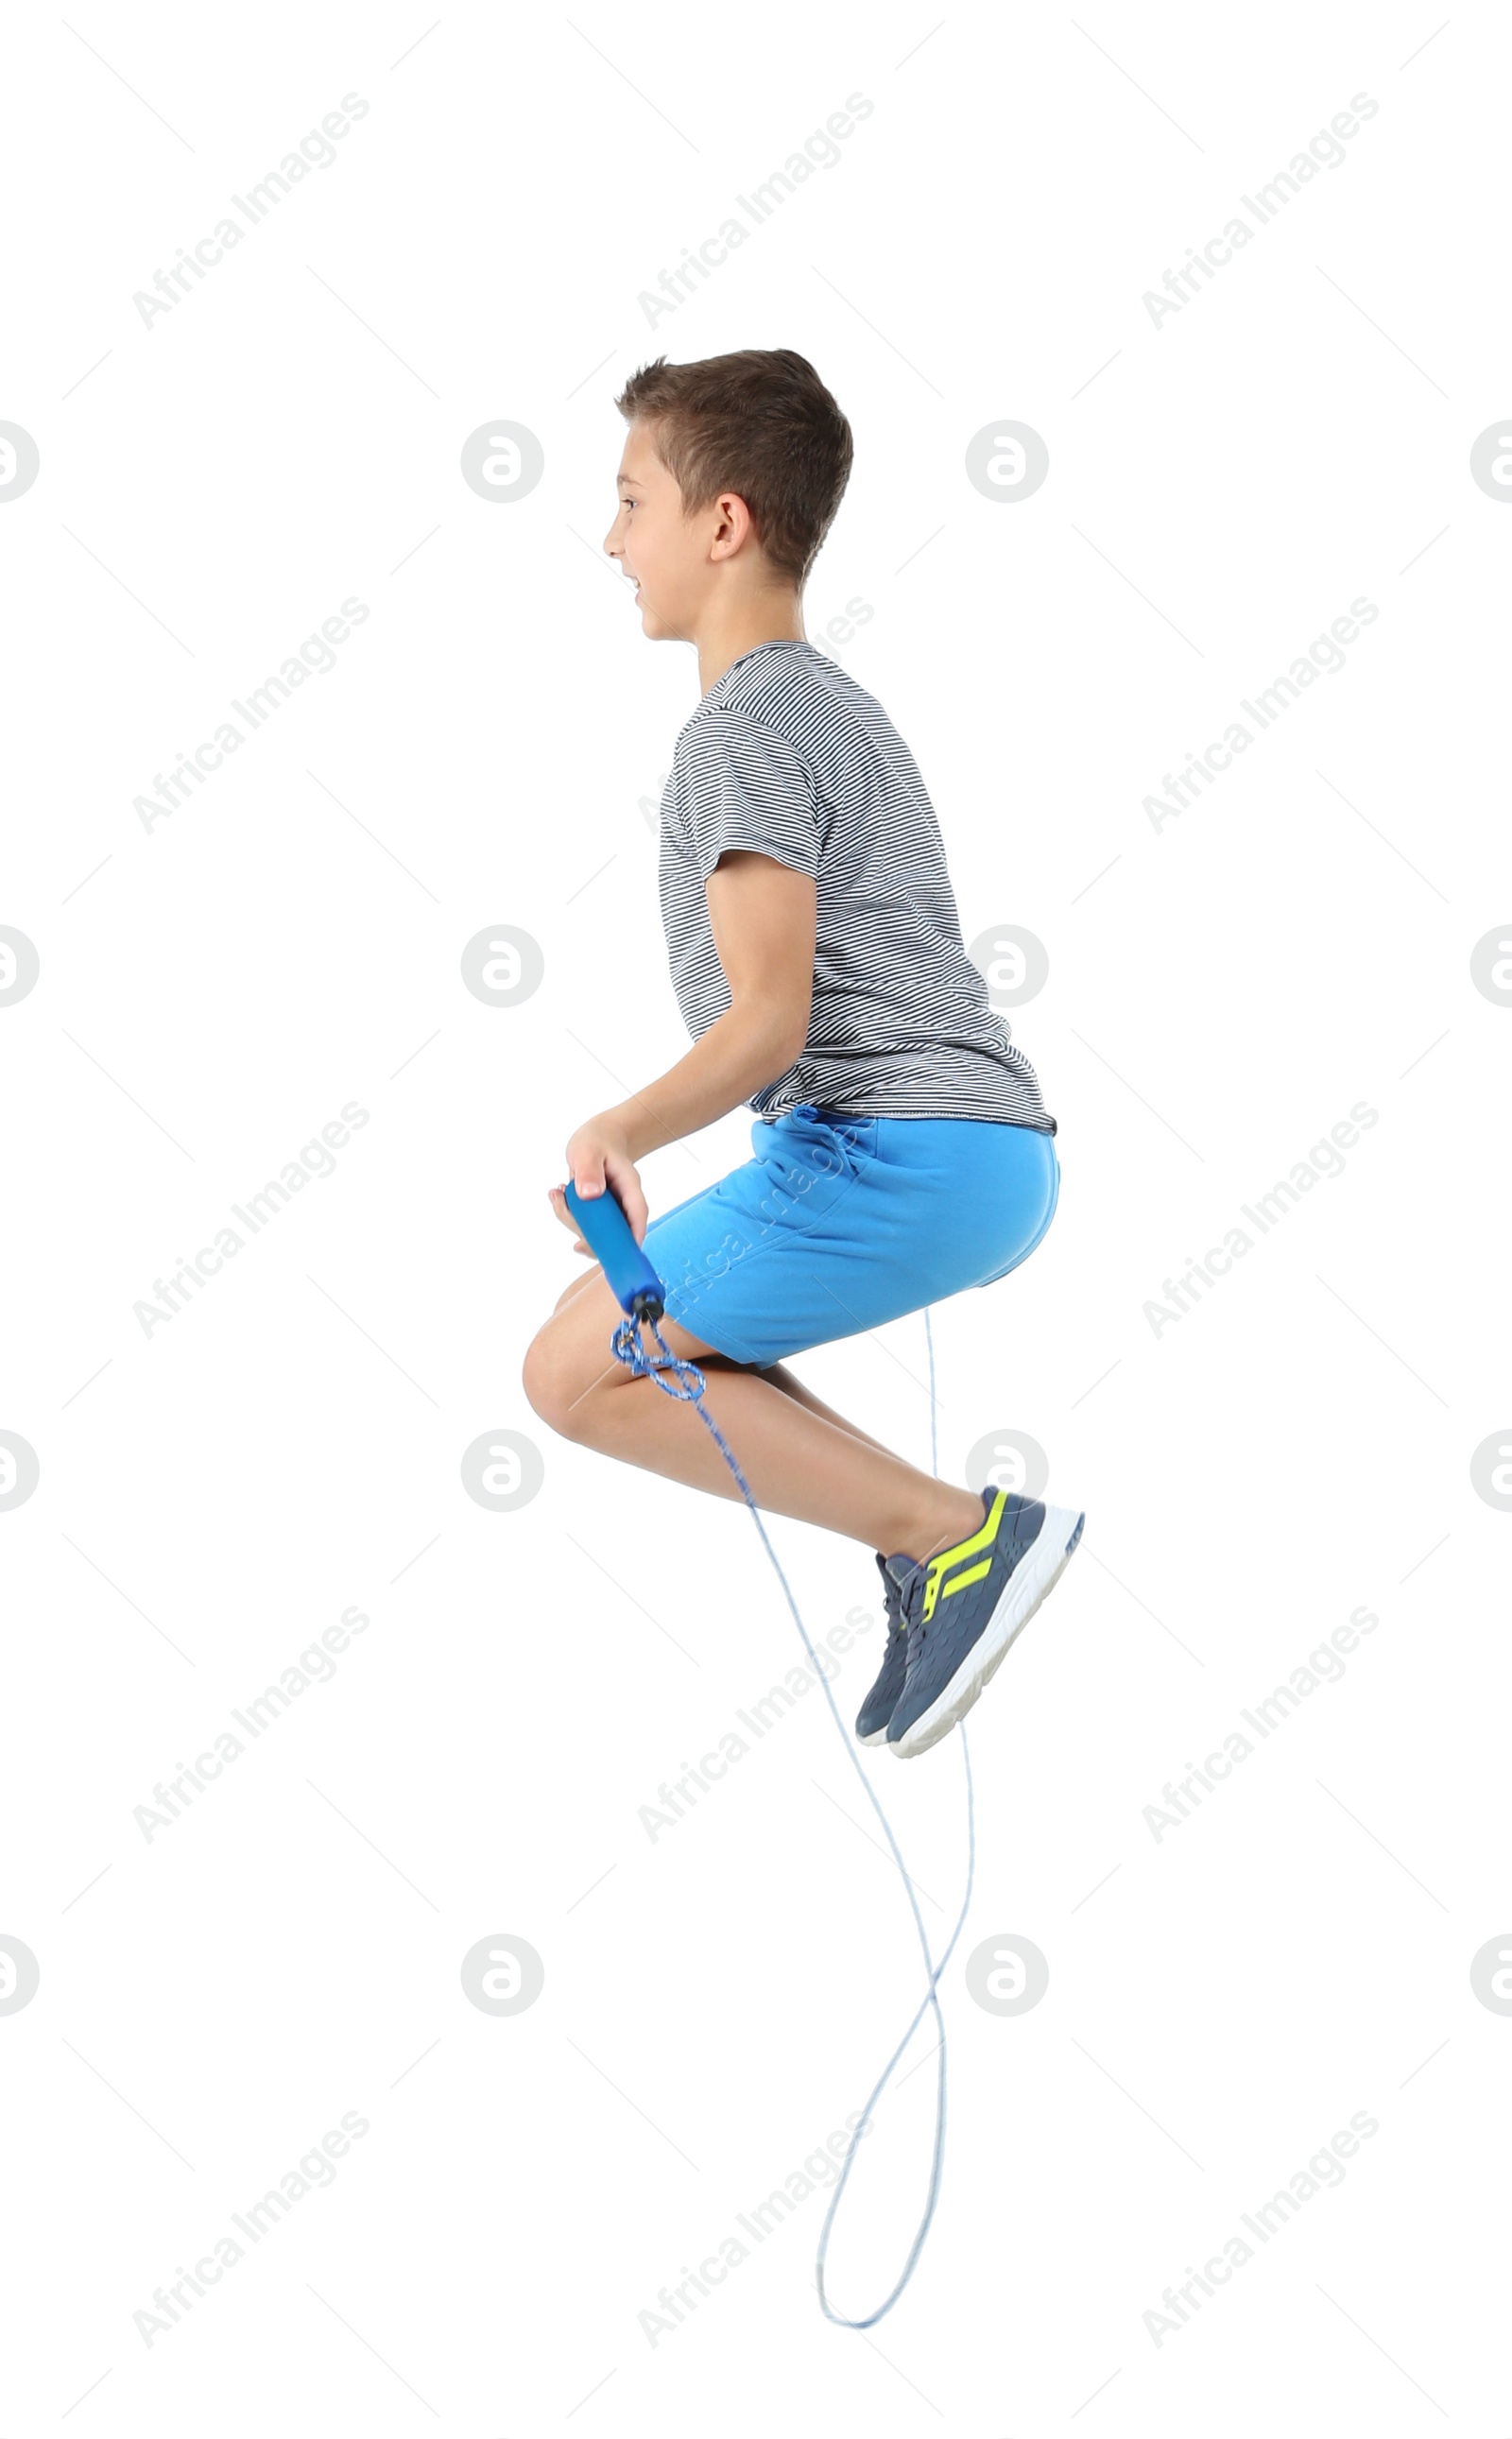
point(939, 1568)
point(972, 1575)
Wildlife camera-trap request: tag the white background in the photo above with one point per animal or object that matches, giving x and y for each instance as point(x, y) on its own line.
point(213, 991)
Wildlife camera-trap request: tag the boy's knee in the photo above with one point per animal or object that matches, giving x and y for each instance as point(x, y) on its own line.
point(561, 1372)
point(544, 1377)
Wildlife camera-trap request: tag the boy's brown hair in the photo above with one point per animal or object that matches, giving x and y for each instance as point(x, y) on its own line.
point(759, 423)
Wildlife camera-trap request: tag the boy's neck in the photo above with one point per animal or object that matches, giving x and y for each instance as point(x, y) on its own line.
point(773, 619)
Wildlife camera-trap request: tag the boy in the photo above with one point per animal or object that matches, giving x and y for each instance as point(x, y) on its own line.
point(902, 1148)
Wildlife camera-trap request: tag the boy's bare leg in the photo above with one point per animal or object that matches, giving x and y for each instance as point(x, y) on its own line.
point(777, 1374)
point(793, 1387)
point(798, 1458)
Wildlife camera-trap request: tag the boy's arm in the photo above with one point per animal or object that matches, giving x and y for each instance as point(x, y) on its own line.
point(762, 915)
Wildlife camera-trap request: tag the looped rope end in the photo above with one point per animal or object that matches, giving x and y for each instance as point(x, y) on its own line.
point(626, 1344)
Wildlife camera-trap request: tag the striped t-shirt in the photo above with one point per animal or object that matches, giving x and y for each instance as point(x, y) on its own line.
point(787, 755)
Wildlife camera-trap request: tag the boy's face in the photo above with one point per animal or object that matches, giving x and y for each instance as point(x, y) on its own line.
point(669, 557)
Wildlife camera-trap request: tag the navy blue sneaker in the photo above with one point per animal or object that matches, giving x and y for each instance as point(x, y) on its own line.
point(871, 1720)
point(962, 1609)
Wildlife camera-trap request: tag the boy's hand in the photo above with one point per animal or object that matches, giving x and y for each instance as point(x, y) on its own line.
point(599, 1151)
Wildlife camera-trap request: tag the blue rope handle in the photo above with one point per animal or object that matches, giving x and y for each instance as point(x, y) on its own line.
point(627, 1346)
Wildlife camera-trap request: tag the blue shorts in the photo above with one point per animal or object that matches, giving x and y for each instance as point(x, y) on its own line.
point(840, 1223)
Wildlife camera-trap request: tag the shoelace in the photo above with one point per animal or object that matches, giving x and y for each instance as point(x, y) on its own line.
point(897, 1624)
point(892, 1599)
point(916, 1633)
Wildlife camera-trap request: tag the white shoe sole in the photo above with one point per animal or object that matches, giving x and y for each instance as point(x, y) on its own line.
point(1037, 1573)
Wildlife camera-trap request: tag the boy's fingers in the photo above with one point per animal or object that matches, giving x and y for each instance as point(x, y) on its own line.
point(637, 1210)
point(557, 1201)
point(621, 1175)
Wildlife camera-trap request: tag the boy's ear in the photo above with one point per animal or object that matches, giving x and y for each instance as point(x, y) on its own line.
point(744, 536)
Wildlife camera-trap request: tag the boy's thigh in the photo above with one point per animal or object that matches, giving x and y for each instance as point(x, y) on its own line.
point(571, 1354)
point(577, 1285)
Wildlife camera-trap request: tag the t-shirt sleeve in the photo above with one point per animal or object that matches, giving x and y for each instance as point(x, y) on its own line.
point(746, 785)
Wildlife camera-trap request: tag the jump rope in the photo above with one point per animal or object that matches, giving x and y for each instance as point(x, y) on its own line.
point(639, 1290)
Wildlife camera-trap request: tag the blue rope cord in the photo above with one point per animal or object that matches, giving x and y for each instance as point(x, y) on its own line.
point(627, 1346)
